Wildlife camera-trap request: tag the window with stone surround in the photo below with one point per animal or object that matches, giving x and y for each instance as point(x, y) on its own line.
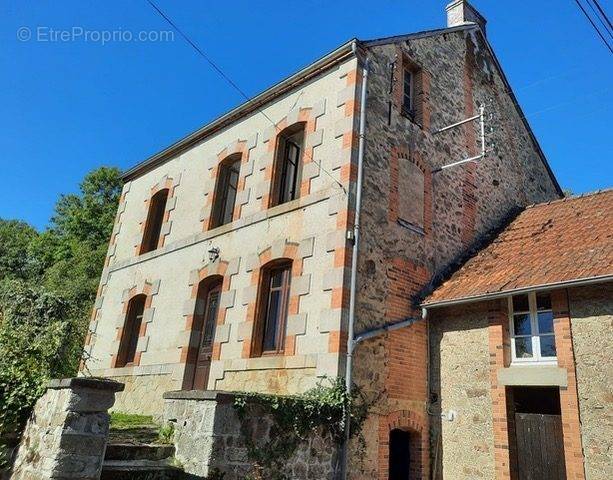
point(273, 308)
point(287, 171)
point(225, 191)
point(155, 219)
point(131, 331)
point(531, 327)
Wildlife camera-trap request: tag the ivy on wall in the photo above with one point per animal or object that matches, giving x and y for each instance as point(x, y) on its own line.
point(319, 411)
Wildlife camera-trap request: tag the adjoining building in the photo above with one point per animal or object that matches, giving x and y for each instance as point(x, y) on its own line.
point(521, 348)
point(229, 267)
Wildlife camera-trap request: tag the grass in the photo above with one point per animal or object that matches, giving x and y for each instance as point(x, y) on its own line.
point(129, 420)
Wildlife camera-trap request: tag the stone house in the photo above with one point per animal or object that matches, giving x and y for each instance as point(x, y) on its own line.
point(521, 348)
point(230, 263)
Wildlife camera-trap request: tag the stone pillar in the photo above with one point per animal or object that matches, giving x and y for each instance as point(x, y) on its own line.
point(67, 432)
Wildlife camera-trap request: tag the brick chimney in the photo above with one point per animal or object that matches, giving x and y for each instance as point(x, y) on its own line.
point(460, 12)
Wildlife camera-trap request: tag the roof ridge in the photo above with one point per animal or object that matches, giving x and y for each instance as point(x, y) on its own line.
point(571, 199)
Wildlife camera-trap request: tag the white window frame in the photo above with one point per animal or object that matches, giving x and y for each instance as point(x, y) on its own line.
point(411, 109)
point(536, 358)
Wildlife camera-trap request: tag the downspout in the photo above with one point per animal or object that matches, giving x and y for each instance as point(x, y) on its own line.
point(354, 258)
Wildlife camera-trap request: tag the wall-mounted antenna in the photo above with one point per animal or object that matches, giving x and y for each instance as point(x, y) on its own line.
point(481, 118)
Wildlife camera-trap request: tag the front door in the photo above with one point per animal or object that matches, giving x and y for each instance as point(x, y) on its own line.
point(540, 447)
point(207, 336)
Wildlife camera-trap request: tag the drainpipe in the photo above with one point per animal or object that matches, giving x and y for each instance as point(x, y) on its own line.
point(354, 258)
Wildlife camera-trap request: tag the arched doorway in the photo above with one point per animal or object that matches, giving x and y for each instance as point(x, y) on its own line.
point(205, 321)
point(399, 455)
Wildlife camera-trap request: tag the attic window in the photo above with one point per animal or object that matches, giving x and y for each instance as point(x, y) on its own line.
point(407, 93)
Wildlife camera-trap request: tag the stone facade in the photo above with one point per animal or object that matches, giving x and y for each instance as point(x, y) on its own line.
point(209, 436)
point(310, 231)
point(453, 73)
point(67, 433)
point(471, 372)
point(461, 424)
point(416, 224)
point(591, 312)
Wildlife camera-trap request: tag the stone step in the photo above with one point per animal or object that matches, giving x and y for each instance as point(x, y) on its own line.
point(143, 434)
point(129, 451)
point(140, 470)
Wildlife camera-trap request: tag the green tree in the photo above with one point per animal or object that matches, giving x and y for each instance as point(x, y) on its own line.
point(78, 237)
point(15, 237)
point(48, 283)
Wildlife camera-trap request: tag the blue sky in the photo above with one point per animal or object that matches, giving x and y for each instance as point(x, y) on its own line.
point(71, 106)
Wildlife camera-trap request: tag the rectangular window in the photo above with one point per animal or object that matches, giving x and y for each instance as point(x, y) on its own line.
point(407, 92)
point(225, 195)
point(531, 326)
point(274, 306)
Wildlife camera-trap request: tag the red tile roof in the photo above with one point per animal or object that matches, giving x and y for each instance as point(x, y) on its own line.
point(559, 241)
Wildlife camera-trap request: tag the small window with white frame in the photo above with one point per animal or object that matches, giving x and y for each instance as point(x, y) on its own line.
point(532, 335)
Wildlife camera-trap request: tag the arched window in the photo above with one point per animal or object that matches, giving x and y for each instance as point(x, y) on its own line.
point(273, 307)
point(131, 331)
point(203, 331)
point(288, 165)
point(155, 218)
point(225, 191)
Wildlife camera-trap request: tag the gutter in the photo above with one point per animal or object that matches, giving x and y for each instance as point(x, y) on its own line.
point(533, 288)
point(354, 267)
point(341, 53)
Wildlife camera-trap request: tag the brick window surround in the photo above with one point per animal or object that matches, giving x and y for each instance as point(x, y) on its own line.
point(238, 149)
point(149, 289)
point(265, 259)
point(401, 154)
point(421, 88)
point(308, 121)
point(169, 184)
point(209, 273)
point(500, 357)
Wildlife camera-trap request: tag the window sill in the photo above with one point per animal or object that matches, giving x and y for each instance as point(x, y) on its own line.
point(410, 226)
point(410, 116)
point(534, 374)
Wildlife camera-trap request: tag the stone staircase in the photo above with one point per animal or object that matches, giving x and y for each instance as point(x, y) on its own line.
point(134, 454)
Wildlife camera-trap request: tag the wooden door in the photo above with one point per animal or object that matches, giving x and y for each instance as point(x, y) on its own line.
point(540, 447)
point(207, 336)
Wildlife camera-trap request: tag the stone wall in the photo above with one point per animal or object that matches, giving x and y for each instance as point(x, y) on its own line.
point(209, 437)
point(454, 74)
point(67, 433)
point(460, 380)
point(591, 311)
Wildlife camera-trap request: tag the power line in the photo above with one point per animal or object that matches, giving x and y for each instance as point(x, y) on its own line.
point(603, 13)
point(600, 18)
point(594, 25)
point(231, 82)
